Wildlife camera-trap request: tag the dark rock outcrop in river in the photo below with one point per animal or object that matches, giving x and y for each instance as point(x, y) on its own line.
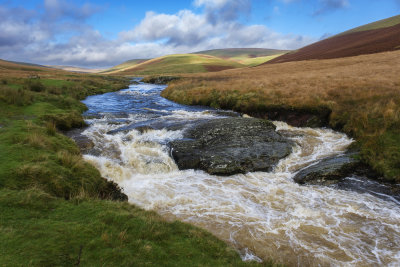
point(329, 171)
point(160, 79)
point(231, 145)
point(346, 172)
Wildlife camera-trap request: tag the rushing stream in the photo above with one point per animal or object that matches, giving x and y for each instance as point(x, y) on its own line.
point(263, 215)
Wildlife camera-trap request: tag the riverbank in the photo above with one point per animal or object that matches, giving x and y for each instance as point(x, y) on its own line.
point(359, 96)
point(56, 209)
point(34, 152)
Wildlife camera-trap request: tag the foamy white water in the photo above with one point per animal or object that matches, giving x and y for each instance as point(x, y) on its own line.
point(263, 215)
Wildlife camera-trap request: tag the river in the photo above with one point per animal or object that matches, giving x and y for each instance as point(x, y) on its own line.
point(263, 215)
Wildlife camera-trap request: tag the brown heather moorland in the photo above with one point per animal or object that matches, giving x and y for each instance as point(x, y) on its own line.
point(363, 93)
point(348, 44)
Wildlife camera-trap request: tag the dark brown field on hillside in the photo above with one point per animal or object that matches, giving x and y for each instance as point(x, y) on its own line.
point(352, 44)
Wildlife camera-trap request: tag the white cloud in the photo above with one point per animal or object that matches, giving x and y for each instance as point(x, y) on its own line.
point(212, 3)
point(59, 34)
point(182, 28)
point(186, 29)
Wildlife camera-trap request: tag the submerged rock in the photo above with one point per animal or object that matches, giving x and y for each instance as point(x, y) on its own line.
point(346, 172)
point(112, 192)
point(84, 143)
point(231, 145)
point(223, 113)
point(329, 171)
point(160, 79)
point(376, 187)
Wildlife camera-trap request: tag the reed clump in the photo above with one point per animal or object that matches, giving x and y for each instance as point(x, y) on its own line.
point(14, 96)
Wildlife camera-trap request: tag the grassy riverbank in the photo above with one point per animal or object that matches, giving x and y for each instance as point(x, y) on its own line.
point(33, 151)
point(362, 92)
point(56, 209)
point(38, 229)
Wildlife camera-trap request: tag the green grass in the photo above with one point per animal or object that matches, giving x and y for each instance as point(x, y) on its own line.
point(182, 63)
point(125, 65)
point(37, 229)
point(254, 61)
point(241, 52)
point(376, 25)
point(55, 83)
point(33, 151)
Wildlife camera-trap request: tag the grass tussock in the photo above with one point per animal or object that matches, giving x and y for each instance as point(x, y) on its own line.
point(51, 128)
point(14, 96)
point(37, 140)
point(71, 161)
point(34, 85)
point(363, 93)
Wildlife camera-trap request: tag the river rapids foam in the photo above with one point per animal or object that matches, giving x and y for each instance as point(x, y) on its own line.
point(263, 215)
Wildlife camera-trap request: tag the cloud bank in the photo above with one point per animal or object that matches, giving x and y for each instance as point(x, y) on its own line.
point(59, 34)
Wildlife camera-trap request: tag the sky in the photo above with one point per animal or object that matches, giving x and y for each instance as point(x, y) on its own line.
point(103, 33)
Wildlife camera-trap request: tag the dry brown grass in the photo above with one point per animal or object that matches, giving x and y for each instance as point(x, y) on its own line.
point(363, 93)
point(10, 69)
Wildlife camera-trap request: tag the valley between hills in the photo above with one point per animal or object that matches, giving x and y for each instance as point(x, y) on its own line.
point(70, 201)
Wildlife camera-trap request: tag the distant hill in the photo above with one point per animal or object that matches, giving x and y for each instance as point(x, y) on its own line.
point(203, 61)
point(241, 52)
point(371, 38)
point(26, 64)
point(125, 65)
point(246, 56)
point(180, 63)
point(384, 23)
point(22, 69)
point(26, 70)
point(75, 69)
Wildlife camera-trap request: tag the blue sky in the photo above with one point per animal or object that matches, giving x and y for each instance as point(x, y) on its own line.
point(104, 33)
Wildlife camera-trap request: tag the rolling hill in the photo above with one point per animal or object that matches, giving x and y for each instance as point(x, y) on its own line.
point(21, 69)
point(392, 21)
point(75, 69)
point(180, 63)
point(125, 65)
point(199, 62)
point(372, 38)
point(241, 52)
point(247, 56)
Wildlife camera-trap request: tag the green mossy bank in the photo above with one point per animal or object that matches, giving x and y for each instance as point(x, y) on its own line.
point(34, 152)
point(57, 210)
point(38, 229)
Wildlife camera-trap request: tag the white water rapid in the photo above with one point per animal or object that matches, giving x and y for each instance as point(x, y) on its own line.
point(263, 215)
